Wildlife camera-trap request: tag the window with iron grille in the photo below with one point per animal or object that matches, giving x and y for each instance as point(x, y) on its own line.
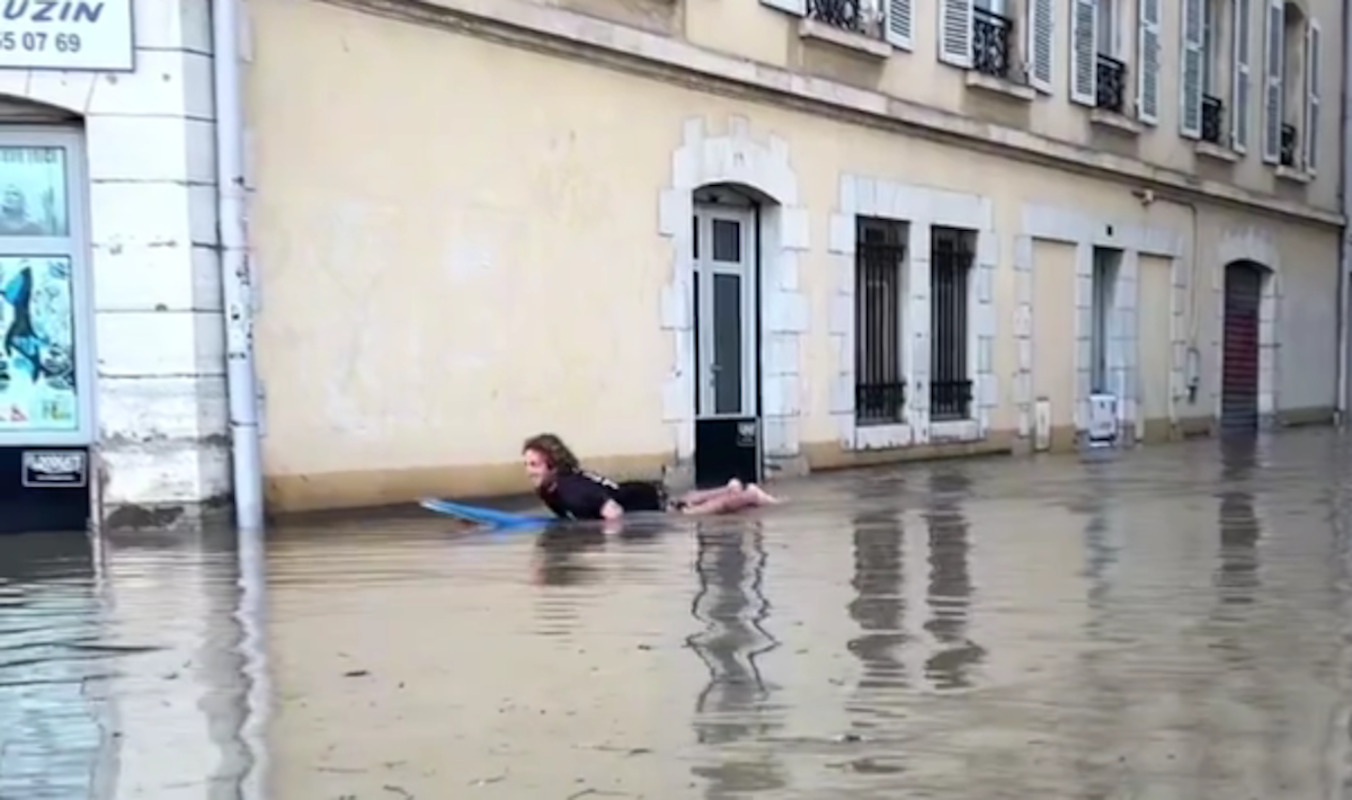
point(879, 296)
point(952, 252)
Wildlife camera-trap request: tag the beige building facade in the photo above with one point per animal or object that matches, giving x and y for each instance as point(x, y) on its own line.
point(908, 229)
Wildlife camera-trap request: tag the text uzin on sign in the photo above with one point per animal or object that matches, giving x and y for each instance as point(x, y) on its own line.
point(51, 10)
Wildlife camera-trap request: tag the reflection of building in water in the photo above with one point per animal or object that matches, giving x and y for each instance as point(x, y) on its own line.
point(950, 584)
point(734, 706)
point(879, 609)
point(56, 736)
point(1237, 578)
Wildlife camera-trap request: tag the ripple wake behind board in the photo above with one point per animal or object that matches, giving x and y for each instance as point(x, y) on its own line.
point(490, 517)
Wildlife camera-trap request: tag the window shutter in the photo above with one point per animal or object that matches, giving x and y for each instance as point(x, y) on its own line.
point(1084, 51)
point(1239, 99)
point(1312, 36)
point(1272, 78)
point(955, 32)
point(795, 7)
point(1190, 82)
point(1148, 76)
point(899, 23)
point(1041, 21)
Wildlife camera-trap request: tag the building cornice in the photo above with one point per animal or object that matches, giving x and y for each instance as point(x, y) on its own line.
point(565, 33)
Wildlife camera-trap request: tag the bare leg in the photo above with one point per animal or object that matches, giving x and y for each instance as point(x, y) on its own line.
point(697, 496)
point(763, 497)
point(729, 500)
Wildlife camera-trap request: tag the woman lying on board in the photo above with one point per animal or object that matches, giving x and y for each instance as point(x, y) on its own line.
point(573, 493)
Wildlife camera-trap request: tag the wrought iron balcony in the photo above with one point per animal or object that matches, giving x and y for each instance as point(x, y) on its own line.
point(1111, 76)
point(847, 15)
point(991, 34)
point(1213, 115)
point(1288, 153)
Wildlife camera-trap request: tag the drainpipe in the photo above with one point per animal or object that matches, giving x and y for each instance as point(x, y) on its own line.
point(1345, 248)
point(237, 297)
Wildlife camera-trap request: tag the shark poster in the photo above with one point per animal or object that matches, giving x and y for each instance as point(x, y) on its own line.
point(37, 344)
point(33, 192)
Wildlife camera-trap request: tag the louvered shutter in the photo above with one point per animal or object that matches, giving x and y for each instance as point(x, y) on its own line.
point(1272, 79)
point(1083, 51)
point(1041, 22)
point(1190, 81)
point(1243, 81)
point(1148, 75)
point(955, 32)
point(1312, 36)
point(899, 23)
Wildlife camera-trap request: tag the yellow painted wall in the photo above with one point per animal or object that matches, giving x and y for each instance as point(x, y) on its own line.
point(1155, 354)
point(459, 246)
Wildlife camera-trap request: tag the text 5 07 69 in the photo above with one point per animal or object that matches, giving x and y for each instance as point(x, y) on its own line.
point(39, 41)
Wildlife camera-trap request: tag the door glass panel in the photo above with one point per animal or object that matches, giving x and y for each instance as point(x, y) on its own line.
point(727, 344)
point(33, 191)
point(727, 240)
point(37, 362)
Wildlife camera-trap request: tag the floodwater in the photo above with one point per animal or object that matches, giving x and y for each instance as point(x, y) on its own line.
point(1168, 623)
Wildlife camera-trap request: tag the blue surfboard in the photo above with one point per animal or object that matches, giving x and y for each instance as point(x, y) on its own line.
point(480, 515)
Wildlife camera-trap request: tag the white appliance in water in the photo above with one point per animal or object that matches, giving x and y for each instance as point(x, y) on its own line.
point(1102, 420)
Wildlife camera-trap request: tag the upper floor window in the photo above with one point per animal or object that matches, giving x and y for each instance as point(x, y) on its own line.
point(1006, 39)
point(1098, 74)
point(1291, 102)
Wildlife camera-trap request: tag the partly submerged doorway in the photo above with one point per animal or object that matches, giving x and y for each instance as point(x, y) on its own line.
point(1241, 347)
point(726, 303)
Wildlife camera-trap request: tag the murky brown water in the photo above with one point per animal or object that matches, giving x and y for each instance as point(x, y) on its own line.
point(1172, 623)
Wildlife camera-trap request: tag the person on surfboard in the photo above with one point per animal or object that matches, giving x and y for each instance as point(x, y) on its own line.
point(574, 493)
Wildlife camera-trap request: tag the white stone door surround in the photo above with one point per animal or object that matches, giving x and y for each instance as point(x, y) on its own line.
point(737, 159)
point(163, 438)
point(922, 208)
point(1087, 232)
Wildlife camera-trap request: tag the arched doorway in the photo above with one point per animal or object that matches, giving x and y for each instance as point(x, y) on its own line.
point(1241, 349)
point(726, 302)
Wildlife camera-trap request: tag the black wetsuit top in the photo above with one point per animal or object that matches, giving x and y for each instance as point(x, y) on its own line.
point(581, 495)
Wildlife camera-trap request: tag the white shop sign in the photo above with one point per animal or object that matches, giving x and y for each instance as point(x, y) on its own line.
point(67, 34)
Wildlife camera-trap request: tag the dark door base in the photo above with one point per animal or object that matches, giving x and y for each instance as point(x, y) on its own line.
point(727, 448)
point(44, 489)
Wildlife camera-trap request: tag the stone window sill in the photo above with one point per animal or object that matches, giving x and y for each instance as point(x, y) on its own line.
point(1116, 121)
point(1000, 86)
point(857, 42)
point(1216, 152)
point(882, 437)
point(961, 430)
point(1294, 175)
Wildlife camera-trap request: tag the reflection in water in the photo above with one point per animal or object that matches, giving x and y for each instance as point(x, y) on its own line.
point(950, 585)
point(162, 649)
point(558, 562)
point(52, 730)
point(1237, 576)
point(734, 705)
point(879, 609)
point(1099, 549)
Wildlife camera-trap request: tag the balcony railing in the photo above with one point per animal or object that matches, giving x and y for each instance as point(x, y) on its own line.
point(1213, 115)
point(1111, 76)
point(844, 14)
point(990, 43)
point(1288, 153)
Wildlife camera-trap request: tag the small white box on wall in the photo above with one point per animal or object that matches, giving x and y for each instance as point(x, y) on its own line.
point(1102, 420)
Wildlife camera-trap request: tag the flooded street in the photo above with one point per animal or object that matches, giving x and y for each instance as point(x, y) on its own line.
point(1167, 623)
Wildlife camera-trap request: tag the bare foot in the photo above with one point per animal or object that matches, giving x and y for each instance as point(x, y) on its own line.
point(736, 485)
point(763, 497)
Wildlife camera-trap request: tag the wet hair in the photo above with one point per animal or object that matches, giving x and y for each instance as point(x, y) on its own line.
point(555, 453)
